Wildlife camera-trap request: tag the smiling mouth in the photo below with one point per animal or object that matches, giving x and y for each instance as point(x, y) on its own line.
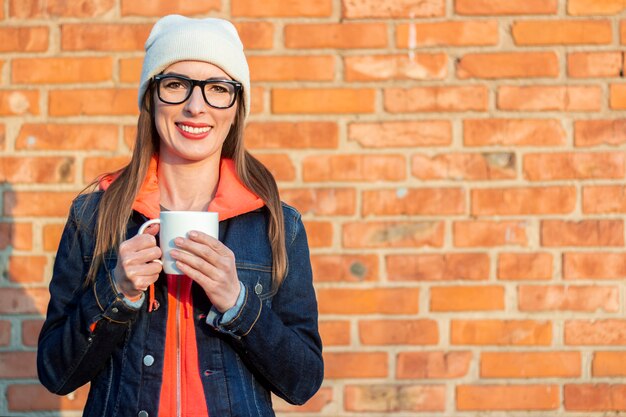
point(193, 130)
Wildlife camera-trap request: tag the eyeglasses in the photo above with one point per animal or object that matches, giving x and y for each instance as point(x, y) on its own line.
point(176, 89)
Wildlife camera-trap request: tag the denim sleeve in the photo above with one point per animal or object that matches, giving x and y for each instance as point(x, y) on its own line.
point(282, 343)
point(84, 323)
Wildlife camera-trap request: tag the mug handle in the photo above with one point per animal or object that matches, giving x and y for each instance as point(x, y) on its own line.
point(143, 228)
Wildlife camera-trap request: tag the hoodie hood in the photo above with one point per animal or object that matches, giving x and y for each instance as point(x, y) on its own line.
point(232, 198)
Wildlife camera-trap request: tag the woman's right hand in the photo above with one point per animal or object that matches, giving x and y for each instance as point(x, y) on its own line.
point(135, 270)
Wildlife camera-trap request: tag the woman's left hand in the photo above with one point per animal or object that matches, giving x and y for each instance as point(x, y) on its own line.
point(211, 264)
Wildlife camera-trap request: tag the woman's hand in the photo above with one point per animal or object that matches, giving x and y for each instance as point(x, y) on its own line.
point(135, 271)
point(211, 264)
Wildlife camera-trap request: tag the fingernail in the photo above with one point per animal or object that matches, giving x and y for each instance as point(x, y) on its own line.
point(193, 234)
point(178, 241)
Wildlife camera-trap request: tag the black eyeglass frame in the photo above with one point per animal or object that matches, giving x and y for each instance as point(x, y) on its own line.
point(200, 83)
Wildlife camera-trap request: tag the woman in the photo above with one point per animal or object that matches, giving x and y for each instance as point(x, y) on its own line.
point(242, 321)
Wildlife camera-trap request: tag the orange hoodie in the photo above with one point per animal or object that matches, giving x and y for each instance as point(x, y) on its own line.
point(182, 393)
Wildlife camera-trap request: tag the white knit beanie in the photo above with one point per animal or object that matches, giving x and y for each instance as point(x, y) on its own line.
point(177, 38)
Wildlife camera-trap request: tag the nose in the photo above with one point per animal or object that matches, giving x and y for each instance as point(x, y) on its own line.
point(195, 103)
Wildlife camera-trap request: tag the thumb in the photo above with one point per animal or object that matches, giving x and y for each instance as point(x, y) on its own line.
point(153, 229)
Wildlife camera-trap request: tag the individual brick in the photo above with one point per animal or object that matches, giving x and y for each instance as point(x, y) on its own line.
point(590, 233)
point(523, 200)
point(160, 8)
point(562, 32)
point(467, 298)
point(595, 64)
point(396, 67)
point(292, 135)
point(277, 8)
point(563, 364)
point(323, 100)
point(594, 397)
point(505, 7)
point(513, 132)
point(291, 68)
point(501, 332)
point(398, 134)
point(342, 365)
point(29, 9)
point(574, 165)
point(592, 7)
point(435, 365)
point(353, 167)
point(508, 65)
point(436, 99)
point(104, 36)
point(395, 398)
point(525, 266)
point(368, 301)
point(465, 166)
point(393, 234)
point(507, 397)
point(438, 267)
point(450, 33)
point(335, 35)
point(366, 9)
point(416, 201)
point(24, 39)
point(550, 98)
point(61, 70)
point(398, 332)
point(569, 298)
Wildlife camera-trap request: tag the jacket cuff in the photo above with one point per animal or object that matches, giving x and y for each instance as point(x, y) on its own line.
point(241, 323)
point(111, 302)
point(215, 318)
point(135, 304)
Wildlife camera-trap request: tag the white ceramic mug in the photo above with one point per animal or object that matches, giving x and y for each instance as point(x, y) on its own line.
point(177, 224)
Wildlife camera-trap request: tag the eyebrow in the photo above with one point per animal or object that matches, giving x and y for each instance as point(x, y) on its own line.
point(206, 79)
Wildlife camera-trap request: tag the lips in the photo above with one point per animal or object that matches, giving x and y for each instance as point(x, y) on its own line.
point(193, 131)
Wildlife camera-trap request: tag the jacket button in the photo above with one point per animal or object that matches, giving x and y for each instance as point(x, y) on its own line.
point(258, 289)
point(114, 309)
point(143, 413)
point(148, 360)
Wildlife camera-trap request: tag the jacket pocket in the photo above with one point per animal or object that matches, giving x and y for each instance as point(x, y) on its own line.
point(258, 280)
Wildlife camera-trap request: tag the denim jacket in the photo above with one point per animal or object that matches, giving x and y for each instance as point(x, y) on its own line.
point(273, 344)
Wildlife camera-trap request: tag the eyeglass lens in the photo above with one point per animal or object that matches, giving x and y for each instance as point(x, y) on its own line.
point(175, 90)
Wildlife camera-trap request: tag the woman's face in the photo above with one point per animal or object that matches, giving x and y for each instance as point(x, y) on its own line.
point(192, 131)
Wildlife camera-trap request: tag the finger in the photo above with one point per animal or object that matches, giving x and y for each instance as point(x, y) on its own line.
point(199, 277)
point(148, 255)
point(141, 257)
point(138, 270)
point(201, 249)
point(214, 243)
point(197, 263)
point(151, 268)
point(137, 243)
point(192, 273)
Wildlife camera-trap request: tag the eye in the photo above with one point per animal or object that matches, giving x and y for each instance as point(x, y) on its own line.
point(174, 84)
point(218, 88)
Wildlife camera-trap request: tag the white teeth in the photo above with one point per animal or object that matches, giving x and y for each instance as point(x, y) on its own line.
point(194, 130)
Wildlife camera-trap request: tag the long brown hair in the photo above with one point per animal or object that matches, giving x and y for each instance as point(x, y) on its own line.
point(115, 207)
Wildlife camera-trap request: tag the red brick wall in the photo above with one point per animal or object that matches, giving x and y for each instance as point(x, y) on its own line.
point(459, 165)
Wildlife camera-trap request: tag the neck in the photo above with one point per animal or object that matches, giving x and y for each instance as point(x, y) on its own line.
point(189, 186)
